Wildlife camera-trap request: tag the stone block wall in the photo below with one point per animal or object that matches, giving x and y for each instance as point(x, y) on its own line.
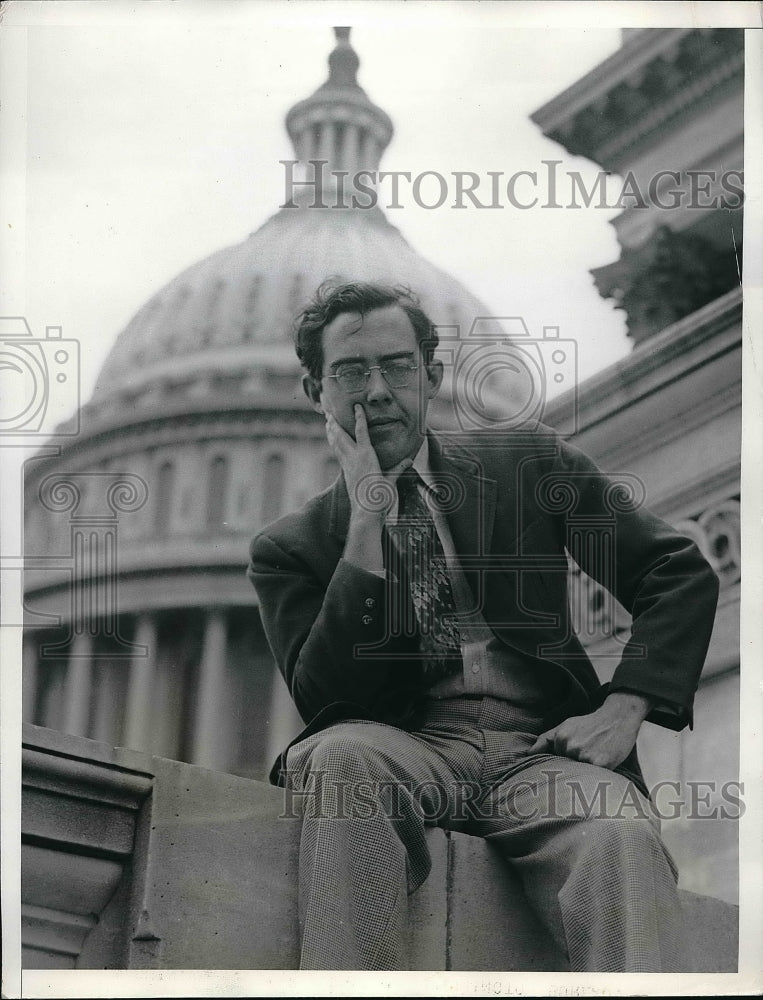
point(137, 862)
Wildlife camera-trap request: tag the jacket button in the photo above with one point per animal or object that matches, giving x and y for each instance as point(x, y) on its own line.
point(370, 602)
point(366, 619)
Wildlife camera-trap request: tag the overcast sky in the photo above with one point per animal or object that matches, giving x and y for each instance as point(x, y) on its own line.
point(154, 131)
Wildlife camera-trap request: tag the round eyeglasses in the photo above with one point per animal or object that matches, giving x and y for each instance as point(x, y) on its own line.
point(354, 378)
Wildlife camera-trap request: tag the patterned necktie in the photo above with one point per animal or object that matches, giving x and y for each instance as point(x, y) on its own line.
point(431, 593)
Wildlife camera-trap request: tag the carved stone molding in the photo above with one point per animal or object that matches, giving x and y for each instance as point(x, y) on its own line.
point(594, 611)
point(717, 532)
point(673, 275)
point(649, 97)
point(79, 818)
point(110, 441)
point(596, 614)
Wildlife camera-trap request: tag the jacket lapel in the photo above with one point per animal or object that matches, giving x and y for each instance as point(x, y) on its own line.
point(471, 515)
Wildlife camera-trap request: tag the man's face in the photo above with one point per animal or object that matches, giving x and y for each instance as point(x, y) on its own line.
point(396, 417)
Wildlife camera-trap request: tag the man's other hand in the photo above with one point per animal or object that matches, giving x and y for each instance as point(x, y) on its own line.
point(605, 737)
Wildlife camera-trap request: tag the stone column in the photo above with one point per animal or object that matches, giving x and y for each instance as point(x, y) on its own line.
point(327, 144)
point(78, 685)
point(352, 150)
point(209, 729)
point(301, 149)
point(284, 721)
point(29, 680)
point(141, 684)
point(372, 152)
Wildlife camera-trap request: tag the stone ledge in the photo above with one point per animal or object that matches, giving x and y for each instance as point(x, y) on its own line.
point(213, 885)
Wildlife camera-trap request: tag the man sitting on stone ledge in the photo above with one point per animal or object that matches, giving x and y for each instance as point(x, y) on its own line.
point(418, 612)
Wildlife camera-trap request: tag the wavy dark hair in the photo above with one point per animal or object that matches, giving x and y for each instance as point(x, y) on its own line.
point(333, 298)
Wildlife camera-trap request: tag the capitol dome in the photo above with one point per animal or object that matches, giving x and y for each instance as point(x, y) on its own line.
point(231, 314)
point(226, 321)
point(197, 434)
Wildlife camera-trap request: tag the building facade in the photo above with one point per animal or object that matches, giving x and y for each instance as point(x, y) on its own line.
point(665, 113)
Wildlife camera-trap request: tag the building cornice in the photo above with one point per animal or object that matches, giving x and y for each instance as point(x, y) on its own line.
point(180, 425)
point(624, 65)
point(632, 97)
point(615, 154)
point(146, 589)
point(691, 343)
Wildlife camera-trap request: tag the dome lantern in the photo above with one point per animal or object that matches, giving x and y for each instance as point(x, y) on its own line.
point(343, 61)
point(339, 124)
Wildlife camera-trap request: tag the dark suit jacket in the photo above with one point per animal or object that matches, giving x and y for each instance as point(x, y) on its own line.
point(520, 500)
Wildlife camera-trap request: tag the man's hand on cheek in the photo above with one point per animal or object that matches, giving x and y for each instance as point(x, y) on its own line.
point(354, 451)
point(370, 490)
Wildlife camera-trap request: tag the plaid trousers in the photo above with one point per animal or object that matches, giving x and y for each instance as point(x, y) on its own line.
point(583, 839)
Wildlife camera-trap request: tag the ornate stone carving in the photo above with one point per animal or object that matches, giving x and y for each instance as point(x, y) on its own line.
point(671, 276)
point(596, 614)
point(717, 532)
point(594, 611)
point(660, 82)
